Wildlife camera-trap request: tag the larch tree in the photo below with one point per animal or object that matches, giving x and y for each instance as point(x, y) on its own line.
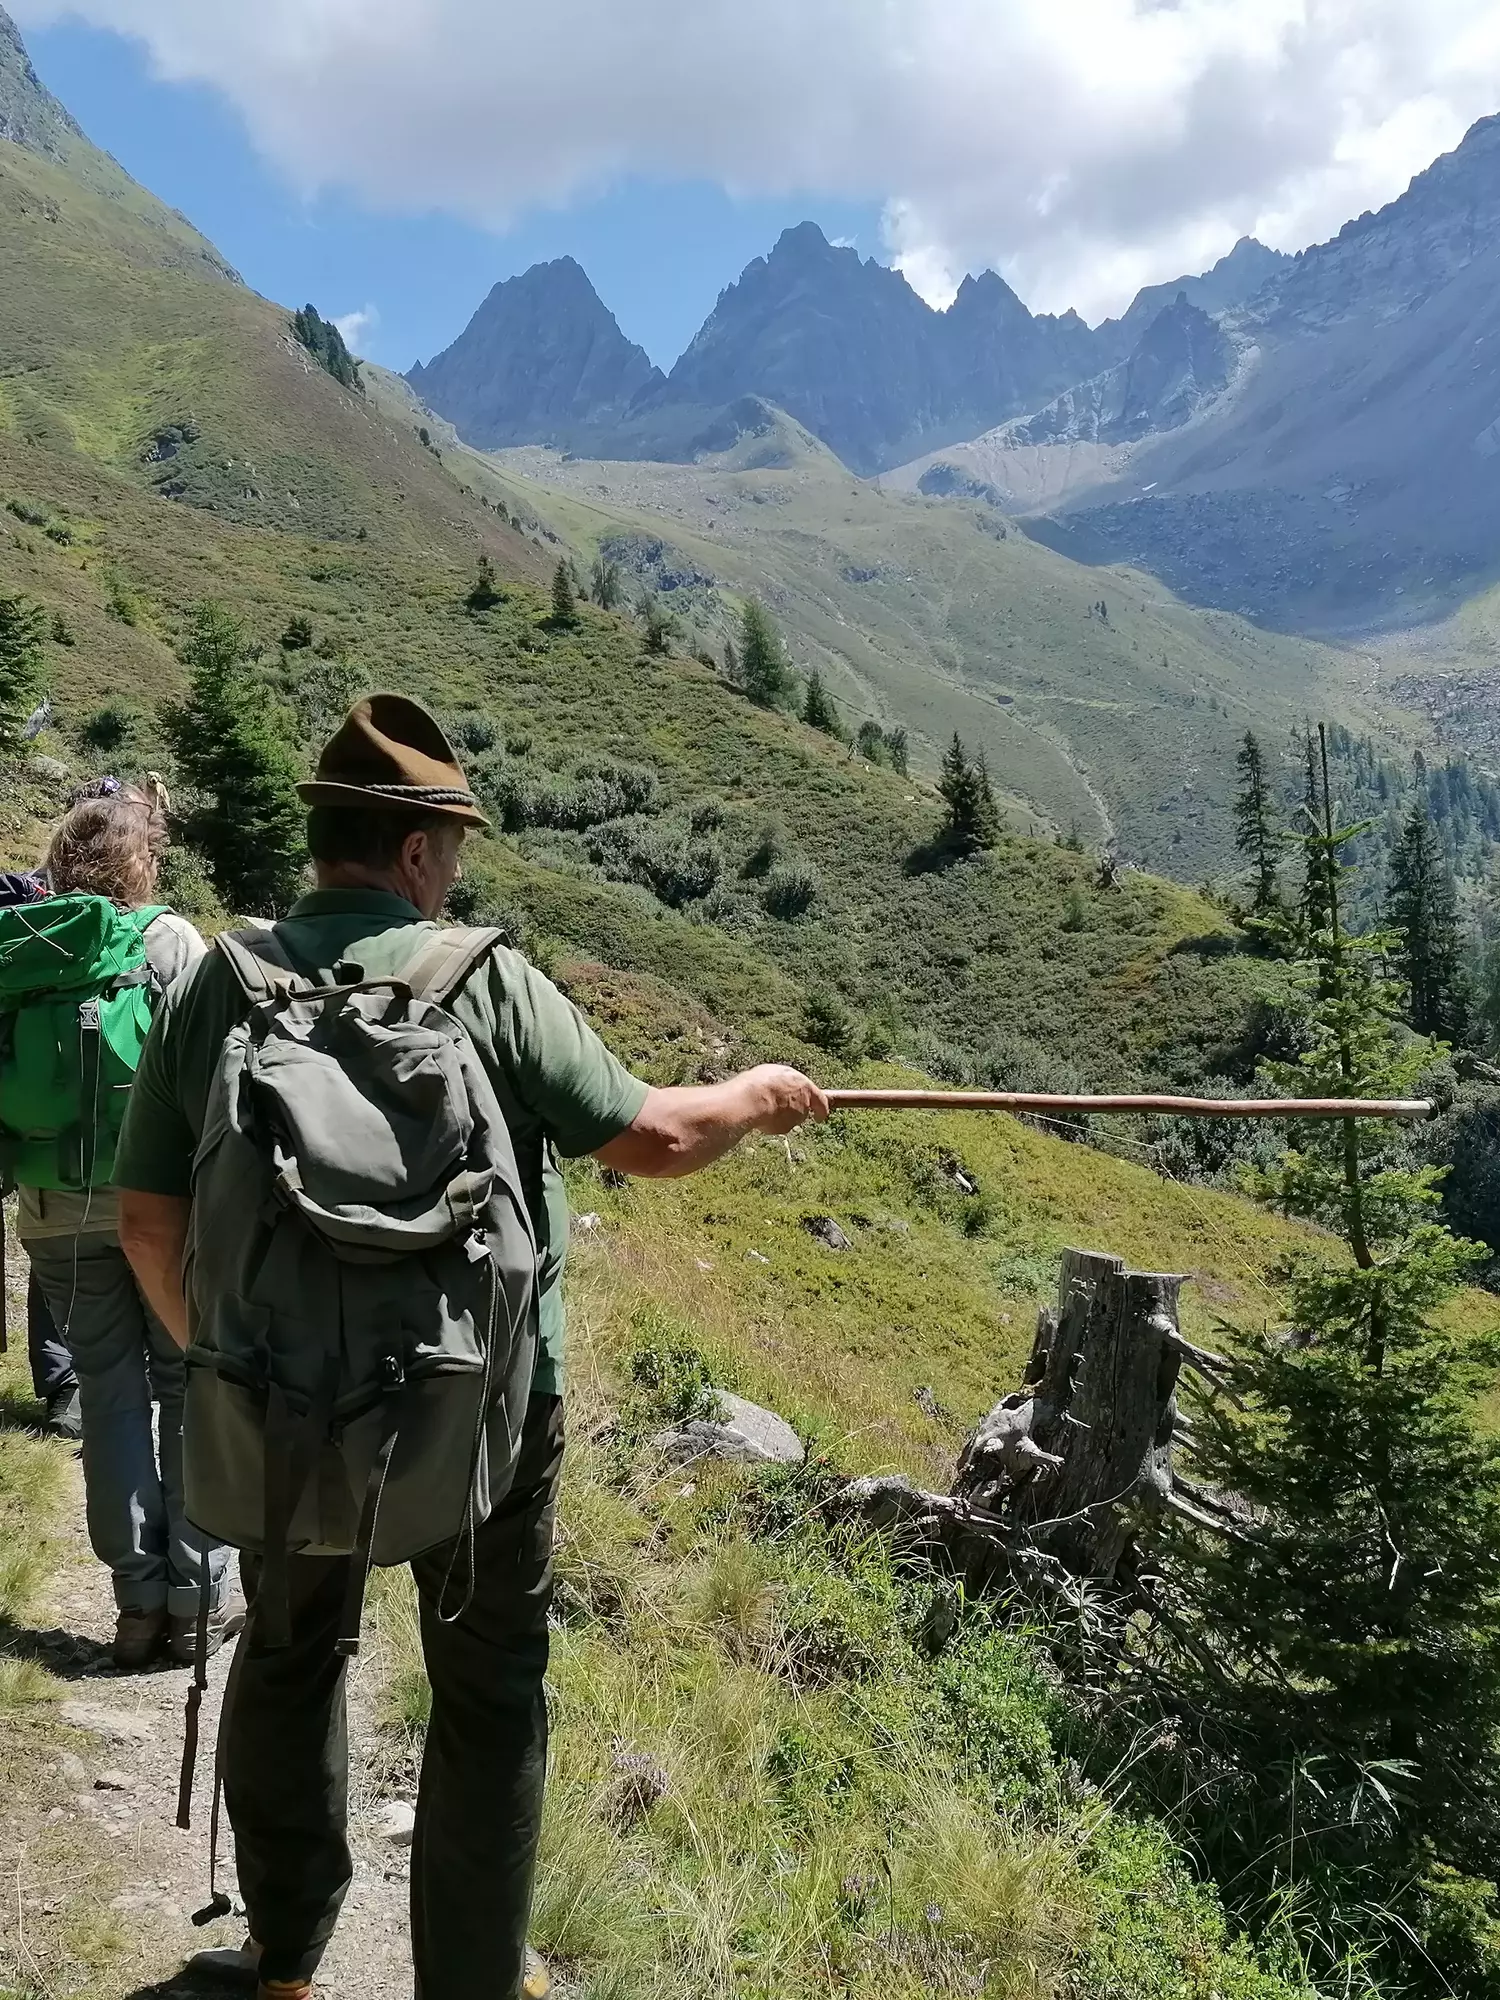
point(818, 710)
point(764, 673)
point(1256, 833)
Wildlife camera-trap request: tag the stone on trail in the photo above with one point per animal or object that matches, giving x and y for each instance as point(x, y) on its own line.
point(397, 1823)
point(743, 1432)
point(115, 1725)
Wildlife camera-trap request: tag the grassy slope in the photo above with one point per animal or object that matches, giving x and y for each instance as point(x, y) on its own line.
point(937, 615)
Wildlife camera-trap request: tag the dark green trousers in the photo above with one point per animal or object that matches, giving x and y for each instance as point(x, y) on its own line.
point(479, 1806)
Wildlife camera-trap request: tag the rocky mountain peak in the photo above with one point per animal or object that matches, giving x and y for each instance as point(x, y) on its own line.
point(1391, 260)
point(30, 116)
point(543, 360)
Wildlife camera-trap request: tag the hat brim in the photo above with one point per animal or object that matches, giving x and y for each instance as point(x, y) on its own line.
point(320, 792)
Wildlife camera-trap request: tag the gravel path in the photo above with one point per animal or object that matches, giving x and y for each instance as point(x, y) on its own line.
point(120, 1792)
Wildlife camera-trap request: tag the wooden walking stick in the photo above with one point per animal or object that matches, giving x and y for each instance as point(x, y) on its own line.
point(1180, 1107)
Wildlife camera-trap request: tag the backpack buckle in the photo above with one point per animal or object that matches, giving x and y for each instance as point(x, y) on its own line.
point(392, 1374)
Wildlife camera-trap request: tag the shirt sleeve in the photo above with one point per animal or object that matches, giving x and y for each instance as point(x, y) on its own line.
point(156, 1145)
point(172, 946)
point(582, 1093)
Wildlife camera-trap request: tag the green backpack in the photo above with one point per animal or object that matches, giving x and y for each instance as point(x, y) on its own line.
point(76, 997)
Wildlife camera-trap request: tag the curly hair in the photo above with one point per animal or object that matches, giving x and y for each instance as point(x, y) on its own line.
point(109, 847)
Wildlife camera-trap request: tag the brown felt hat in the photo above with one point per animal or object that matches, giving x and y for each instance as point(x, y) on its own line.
point(389, 751)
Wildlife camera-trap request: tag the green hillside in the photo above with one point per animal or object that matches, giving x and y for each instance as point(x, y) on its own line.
point(1098, 698)
point(712, 882)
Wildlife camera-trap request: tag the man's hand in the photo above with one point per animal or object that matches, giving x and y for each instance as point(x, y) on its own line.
point(788, 1098)
point(153, 1235)
point(679, 1131)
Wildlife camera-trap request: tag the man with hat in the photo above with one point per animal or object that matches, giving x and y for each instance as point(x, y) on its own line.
point(390, 808)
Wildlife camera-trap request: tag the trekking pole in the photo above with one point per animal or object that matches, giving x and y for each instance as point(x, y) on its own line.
point(1180, 1107)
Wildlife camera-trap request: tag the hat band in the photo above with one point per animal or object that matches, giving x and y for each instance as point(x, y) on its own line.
point(413, 795)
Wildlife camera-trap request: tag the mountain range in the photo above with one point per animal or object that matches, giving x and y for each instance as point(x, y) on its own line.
point(1313, 440)
point(840, 342)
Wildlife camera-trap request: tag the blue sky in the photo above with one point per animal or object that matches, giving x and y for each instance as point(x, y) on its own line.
point(658, 253)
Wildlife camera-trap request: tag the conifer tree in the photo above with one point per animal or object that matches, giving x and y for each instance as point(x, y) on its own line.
point(1255, 831)
point(484, 594)
point(973, 818)
point(898, 749)
point(21, 680)
point(1348, 1623)
point(605, 584)
point(564, 602)
point(764, 673)
point(818, 710)
point(1424, 915)
point(232, 750)
point(731, 662)
point(1315, 863)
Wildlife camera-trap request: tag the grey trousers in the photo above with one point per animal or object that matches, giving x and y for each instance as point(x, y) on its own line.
point(125, 1359)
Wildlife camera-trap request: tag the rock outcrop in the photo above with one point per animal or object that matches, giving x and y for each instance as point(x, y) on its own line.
point(30, 116)
point(1182, 361)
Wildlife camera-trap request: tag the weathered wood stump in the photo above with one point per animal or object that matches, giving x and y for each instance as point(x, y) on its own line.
point(1064, 1473)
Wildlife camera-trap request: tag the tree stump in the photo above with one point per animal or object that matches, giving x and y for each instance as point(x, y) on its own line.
point(1066, 1471)
point(1106, 1406)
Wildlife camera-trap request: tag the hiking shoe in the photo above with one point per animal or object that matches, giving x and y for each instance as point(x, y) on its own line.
point(537, 1984)
point(223, 1623)
point(65, 1415)
point(228, 1965)
point(138, 1639)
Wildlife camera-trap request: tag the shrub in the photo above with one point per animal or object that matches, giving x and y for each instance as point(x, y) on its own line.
point(677, 866)
point(828, 1024)
point(21, 678)
point(111, 728)
point(791, 890)
point(474, 732)
point(298, 633)
point(769, 850)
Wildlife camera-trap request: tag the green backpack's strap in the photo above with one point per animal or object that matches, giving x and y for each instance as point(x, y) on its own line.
point(447, 960)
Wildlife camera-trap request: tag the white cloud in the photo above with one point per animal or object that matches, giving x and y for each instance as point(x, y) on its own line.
point(357, 326)
point(1084, 146)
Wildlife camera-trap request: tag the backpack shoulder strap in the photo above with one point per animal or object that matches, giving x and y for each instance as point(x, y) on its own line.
point(260, 964)
point(446, 960)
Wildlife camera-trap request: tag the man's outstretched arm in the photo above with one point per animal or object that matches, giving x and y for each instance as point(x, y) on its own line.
point(153, 1235)
point(678, 1131)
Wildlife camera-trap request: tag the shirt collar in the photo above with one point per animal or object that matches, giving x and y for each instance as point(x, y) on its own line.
point(356, 903)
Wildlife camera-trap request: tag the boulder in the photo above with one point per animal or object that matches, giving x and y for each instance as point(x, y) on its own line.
point(742, 1432)
point(827, 1231)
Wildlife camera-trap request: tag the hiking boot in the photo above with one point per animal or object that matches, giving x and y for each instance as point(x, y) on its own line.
point(537, 1985)
point(138, 1639)
point(223, 1622)
point(65, 1415)
point(228, 1965)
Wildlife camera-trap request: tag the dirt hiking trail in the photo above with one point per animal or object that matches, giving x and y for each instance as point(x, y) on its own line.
point(95, 1819)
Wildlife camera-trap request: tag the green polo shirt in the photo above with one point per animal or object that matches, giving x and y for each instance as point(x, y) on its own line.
point(560, 1088)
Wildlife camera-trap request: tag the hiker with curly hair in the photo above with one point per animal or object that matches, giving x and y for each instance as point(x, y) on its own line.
point(109, 951)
